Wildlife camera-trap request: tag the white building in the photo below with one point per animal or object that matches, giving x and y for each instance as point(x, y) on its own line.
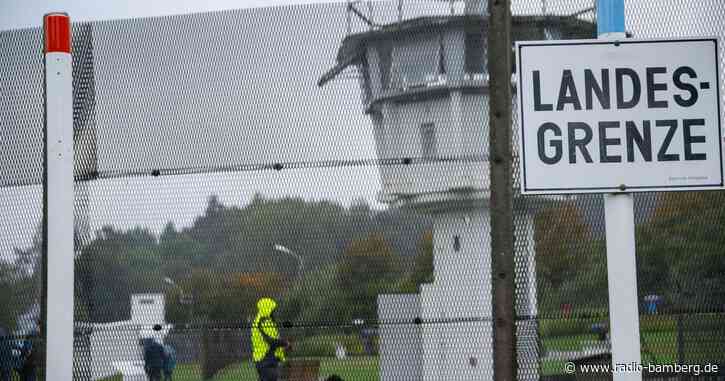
point(424, 84)
point(108, 349)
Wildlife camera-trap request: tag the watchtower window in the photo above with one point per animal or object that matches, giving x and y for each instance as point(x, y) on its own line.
point(416, 61)
point(429, 146)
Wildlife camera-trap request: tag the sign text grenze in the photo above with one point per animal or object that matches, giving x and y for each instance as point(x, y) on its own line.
point(606, 116)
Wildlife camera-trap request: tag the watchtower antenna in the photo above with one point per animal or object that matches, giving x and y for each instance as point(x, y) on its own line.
point(354, 9)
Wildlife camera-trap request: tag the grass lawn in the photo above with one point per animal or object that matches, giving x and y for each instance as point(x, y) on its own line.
point(350, 369)
point(552, 367)
point(657, 347)
point(362, 368)
point(566, 343)
point(703, 341)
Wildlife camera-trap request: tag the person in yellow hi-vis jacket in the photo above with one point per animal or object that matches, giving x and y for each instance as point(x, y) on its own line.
point(268, 350)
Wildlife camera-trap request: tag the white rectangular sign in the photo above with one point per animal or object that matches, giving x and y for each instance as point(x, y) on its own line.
point(632, 115)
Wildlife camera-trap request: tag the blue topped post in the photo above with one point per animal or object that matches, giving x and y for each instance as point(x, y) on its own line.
point(610, 17)
point(621, 261)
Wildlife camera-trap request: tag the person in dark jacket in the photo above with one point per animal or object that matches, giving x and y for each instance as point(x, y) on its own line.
point(6, 354)
point(169, 362)
point(153, 358)
point(30, 356)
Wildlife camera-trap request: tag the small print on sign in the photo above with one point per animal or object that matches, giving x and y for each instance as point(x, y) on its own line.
point(606, 116)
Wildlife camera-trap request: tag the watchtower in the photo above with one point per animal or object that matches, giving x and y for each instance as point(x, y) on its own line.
point(424, 85)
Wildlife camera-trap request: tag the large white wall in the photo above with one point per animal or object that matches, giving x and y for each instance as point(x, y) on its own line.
point(113, 346)
point(148, 309)
point(430, 313)
point(460, 346)
point(114, 343)
point(400, 357)
point(463, 285)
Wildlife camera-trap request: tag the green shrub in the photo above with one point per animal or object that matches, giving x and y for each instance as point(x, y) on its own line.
point(567, 327)
point(691, 323)
point(705, 322)
point(116, 377)
point(313, 347)
point(657, 323)
point(325, 346)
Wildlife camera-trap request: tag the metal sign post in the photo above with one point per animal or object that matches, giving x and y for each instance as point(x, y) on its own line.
point(619, 222)
point(58, 198)
point(622, 282)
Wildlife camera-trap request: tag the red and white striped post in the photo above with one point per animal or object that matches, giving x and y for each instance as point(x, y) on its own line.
point(58, 194)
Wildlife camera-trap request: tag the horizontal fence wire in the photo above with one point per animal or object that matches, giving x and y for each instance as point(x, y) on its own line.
point(278, 166)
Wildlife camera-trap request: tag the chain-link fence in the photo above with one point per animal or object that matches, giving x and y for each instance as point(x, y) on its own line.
point(334, 158)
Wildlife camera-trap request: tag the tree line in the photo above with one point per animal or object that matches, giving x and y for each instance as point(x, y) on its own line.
point(226, 259)
point(680, 256)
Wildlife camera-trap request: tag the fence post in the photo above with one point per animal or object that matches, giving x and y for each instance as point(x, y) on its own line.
point(621, 261)
point(58, 200)
point(501, 203)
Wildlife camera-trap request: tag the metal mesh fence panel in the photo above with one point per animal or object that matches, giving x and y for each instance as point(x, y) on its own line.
point(21, 196)
point(332, 158)
point(679, 324)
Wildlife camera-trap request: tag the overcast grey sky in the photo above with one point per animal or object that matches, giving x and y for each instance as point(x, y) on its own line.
point(253, 98)
point(320, 123)
point(16, 14)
